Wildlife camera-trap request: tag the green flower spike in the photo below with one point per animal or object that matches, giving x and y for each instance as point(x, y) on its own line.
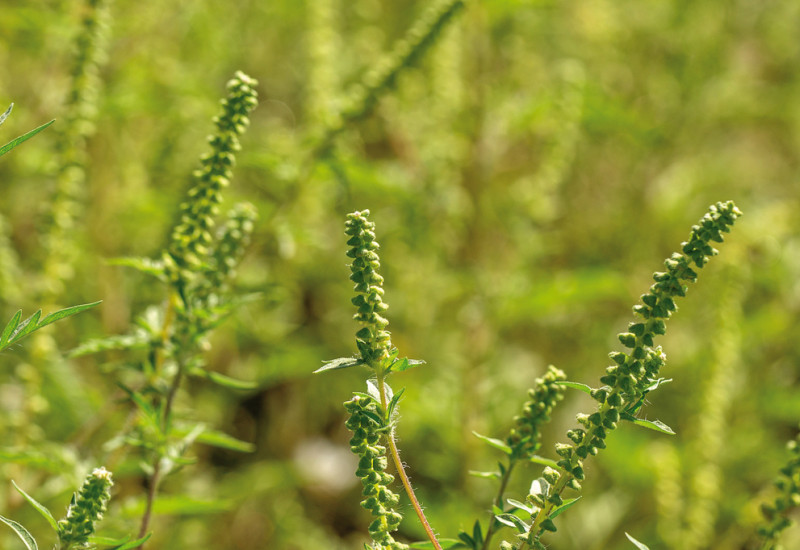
point(368, 434)
point(525, 437)
point(192, 237)
point(635, 373)
point(373, 340)
point(85, 510)
point(777, 513)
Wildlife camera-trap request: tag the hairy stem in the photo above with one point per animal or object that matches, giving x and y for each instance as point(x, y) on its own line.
point(398, 464)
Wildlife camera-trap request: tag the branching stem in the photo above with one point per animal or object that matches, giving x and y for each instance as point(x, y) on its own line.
point(498, 502)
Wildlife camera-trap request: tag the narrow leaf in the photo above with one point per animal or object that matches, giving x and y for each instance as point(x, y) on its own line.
point(41, 508)
point(228, 382)
point(393, 404)
point(10, 328)
point(514, 522)
point(496, 443)
point(656, 425)
point(567, 504)
point(25, 327)
point(341, 363)
point(62, 313)
point(145, 265)
point(24, 137)
point(30, 542)
point(477, 533)
point(132, 544)
point(520, 505)
point(4, 116)
point(576, 386)
point(225, 441)
point(639, 545)
point(536, 459)
point(486, 475)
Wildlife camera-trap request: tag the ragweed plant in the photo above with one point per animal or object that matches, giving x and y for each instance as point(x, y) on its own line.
point(76, 530)
point(196, 267)
point(373, 414)
point(776, 513)
point(626, 384)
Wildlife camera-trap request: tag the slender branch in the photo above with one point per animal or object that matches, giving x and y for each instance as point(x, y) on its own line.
point(151, 497)
point(498, 501)
point(402, 473)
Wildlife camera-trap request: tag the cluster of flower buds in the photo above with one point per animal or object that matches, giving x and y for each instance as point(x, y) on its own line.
point(777, 513)
point(86, 509)
point(373, 340)
point(192, 236)
point(379, 498)
point(525, 437)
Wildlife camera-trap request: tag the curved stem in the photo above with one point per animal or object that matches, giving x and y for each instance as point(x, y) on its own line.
point(498, 501)
point(402, 473)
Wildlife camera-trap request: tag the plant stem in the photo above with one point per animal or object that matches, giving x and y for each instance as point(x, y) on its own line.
point(402, 473)
point(151, 497)
point(498, 501)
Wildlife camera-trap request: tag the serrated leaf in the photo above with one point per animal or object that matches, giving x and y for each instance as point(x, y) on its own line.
point(655, 425)
point(510, 520)
point(224, 441)
point(496, 443)
point(24, 137)
point(639, 545)
point(340, 363)
point(30, 542)
point(576, 386)
point(41, 508)
point(567, 504)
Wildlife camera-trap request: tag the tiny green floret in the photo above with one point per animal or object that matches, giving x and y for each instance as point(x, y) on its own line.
point(777, 513)
point(525, 437)
point(85, 510)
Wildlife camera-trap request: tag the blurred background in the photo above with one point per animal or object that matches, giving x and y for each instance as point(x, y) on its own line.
point(526, 177)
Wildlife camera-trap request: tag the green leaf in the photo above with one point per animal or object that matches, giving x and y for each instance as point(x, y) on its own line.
point(496, 443)
point(514, 522)
point(225, 441)
point(4, 116)
point(10, 328)
point(656, 425)
point(24, 137)
point(477, 533)
point(145, 265)
point(132, 544)
point(340, 363)
point(520, 505)
point(576, 386)
point(224, 381)
point(639, 545)
point(119, 342)
point(67, 312)
point(567, 504)
point(536, 459)
point(405, 364)
point(486, 475)
point(30, 542)
point(393, 404)
point(41, 508)
point(25, 327)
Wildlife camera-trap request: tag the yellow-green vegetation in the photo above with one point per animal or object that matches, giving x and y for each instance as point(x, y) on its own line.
point(526, 166)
